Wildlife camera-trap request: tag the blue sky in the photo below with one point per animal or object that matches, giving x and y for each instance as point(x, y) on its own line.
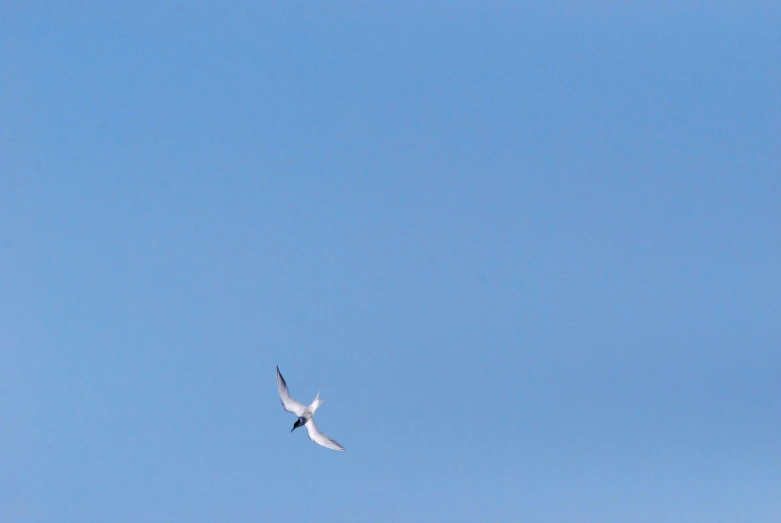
point(531, 255)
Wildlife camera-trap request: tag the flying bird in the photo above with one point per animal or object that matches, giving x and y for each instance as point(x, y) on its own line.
point(304, 415)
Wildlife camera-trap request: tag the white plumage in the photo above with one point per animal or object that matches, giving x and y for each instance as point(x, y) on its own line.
point(304, 415)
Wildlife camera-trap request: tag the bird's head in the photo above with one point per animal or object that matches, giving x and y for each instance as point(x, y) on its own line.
point(296, 424)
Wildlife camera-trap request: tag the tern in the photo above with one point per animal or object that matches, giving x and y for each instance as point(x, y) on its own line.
point(304, 415)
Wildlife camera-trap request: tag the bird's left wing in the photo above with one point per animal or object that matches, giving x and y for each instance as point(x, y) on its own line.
point(288, 403)
point(320, 438)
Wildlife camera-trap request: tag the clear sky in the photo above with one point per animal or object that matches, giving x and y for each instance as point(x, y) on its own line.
point(531, 255)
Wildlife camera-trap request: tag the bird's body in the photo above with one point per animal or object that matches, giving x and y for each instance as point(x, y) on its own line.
point(304, 415)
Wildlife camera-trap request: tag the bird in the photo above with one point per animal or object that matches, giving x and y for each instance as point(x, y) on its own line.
point(304, 415)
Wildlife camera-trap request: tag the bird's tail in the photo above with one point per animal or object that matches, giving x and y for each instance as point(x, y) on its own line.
point(316, 403)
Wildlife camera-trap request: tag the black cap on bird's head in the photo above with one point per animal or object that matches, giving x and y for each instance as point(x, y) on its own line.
point(296, 424)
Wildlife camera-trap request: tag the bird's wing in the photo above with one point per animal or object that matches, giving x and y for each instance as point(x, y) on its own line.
point(320, 438)
point(288, 403)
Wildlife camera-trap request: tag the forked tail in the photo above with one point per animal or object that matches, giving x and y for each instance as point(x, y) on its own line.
point(316, 403)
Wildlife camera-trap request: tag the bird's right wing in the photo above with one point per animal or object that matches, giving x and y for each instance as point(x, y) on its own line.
point(288, 403)
point(320, 438)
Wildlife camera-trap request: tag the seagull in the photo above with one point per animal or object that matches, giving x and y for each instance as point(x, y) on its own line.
point(304, 415)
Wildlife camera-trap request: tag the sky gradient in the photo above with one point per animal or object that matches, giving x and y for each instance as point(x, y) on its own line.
point(531, 255)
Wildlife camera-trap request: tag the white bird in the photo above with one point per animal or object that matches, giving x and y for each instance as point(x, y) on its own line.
point(305, 415)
